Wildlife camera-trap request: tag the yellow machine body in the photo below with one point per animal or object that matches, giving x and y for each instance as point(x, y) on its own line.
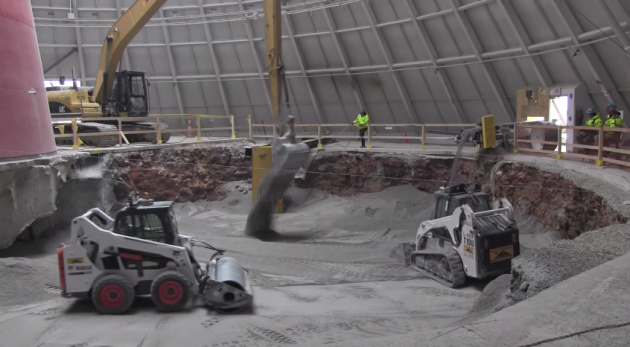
point(489, 132)
point(73, 101)
point(103, 102)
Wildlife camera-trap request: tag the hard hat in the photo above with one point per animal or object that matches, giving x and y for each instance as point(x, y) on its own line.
point(591, 111)
point(611, 106)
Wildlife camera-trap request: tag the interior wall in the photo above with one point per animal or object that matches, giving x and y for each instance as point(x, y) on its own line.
point(404, 61)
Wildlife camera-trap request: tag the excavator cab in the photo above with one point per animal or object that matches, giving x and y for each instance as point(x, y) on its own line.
point(447, 199)
point(129, 95)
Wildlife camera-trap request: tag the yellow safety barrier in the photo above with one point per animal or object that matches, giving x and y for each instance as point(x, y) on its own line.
point(370, 137)
point(600, 153)
point(122, 138)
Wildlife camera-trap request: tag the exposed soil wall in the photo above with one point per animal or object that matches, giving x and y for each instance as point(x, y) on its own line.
point(347, 174)
point(180, 174)
point(200, 173)
point(556, 201)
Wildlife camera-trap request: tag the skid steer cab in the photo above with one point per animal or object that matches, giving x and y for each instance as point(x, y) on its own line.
point(468, 236)
point(140, 252)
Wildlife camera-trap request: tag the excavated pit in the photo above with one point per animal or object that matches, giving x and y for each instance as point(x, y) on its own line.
point(329, 279)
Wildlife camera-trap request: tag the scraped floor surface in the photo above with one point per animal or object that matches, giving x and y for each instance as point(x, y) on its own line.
point(329, 279)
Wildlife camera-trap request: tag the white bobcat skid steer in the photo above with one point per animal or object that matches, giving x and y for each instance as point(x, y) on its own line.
point(468, 239)
point(141, 253)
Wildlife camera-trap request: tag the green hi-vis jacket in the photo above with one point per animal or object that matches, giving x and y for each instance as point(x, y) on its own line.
point(613, 122)
point(362, 121)
point(595, 121)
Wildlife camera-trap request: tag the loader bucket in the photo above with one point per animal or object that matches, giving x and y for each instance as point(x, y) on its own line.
point(287, 160)
point(402, 252)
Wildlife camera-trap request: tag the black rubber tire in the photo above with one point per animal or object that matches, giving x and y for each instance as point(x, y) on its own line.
point(122, 298)
point(181, 289)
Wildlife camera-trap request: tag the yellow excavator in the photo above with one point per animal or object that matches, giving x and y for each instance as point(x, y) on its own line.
point(115, 93)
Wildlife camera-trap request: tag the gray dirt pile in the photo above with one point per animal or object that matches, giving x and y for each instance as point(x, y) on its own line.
point(27, 280)
point(181, 174)
point(492, 297)
point(541, 268)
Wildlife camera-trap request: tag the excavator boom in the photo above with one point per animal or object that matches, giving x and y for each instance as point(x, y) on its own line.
point(288, 156)
point(117, 40)
point(273, 40)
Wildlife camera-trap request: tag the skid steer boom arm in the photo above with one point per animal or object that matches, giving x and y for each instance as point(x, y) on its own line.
point(117, 40)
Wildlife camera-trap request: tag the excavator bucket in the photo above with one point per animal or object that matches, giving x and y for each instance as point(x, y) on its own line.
point(288, 158)
point(402, 252)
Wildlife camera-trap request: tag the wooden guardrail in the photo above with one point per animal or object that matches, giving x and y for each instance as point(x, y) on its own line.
point(600, 153)
point(122, 139)
point(320, 137)
point(597, 152)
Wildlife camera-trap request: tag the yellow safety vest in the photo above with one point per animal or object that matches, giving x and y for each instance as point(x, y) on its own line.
point(362, 121)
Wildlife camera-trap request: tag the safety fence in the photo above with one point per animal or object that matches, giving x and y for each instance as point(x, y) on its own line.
point(194, 127)
point(425, 128)
point(599, 152)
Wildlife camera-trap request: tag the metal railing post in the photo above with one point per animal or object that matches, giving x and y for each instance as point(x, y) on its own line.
point(600, 150)
point(369, 146)
point(198, 128)
point(233, 129)
point(424, 137)
point(319, 136)
point(158, 132)
point(515, 150)
point(249, 122)
point(119, 132)
point(559, 155)
point(75, 135)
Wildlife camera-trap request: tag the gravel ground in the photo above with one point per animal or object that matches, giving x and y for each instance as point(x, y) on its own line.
point(544, 267)
point(26, 281)
point(329, 279)
point(539, 269)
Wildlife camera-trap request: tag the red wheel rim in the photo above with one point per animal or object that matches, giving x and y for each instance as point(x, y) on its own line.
point(171, 292)
point(112, 296)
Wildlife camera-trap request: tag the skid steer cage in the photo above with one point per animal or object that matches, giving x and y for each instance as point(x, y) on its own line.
point(287, 160)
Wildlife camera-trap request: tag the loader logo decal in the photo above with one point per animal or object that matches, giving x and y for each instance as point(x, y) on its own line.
point(75, 261)
point(501, 254)
point(469, 247)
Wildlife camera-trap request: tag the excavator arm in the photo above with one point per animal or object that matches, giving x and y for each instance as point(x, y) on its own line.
point(117, 40)
point(273, 40)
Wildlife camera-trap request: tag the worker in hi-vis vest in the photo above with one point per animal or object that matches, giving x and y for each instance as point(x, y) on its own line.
point(362, 121)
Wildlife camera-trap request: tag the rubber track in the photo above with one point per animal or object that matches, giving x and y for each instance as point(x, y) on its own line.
point(102, 141)
point(454, 263)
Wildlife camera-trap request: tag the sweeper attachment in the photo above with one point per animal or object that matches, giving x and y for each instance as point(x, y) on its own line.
point(465, 238)
point(140, 252)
